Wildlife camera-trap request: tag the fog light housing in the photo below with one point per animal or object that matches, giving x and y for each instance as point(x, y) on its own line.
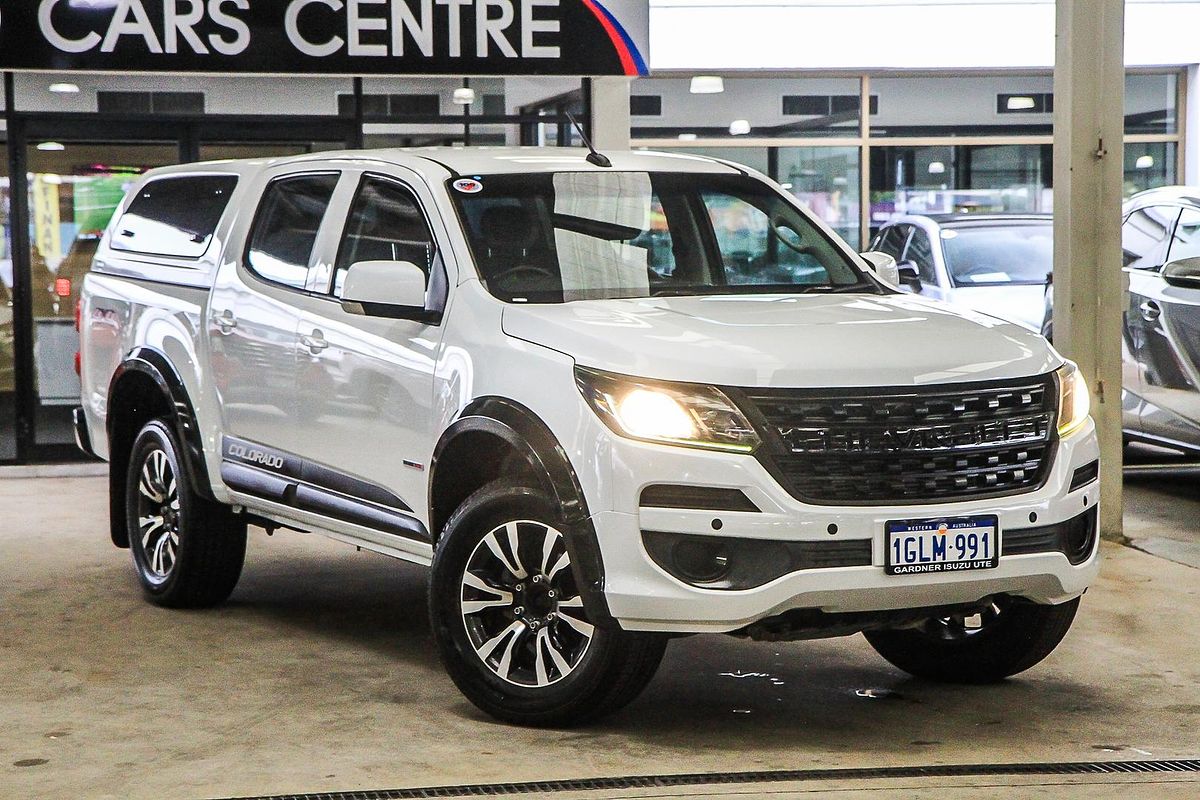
point(1079, 537)
point(701, 560)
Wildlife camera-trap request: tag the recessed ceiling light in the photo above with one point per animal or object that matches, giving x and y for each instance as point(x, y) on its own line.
point(1144, 162)
point(708, 84)
point(1020, 103)
point(739, 127)
point(687, 137)
point(937, 168)
point(464, 96)
point(51, 147)
point(64, 88)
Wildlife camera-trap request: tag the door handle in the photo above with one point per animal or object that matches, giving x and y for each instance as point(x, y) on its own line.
point(1151, 311)
point(226, 322)
point(315, 342)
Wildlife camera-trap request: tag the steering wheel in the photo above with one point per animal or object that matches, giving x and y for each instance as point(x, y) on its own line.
point(526, 269)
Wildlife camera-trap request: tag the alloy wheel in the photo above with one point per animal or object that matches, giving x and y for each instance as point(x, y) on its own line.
point(158, 514)
point(521, 609)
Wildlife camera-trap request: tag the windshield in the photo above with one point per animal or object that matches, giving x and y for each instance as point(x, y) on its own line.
point(995, 255)
point(558, 237)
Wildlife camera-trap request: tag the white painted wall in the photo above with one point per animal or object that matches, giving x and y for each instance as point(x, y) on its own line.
point(896, 34)
point(902, 101)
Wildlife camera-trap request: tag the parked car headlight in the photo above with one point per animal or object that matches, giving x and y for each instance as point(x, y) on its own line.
point(684, 414)
point(1074, 401)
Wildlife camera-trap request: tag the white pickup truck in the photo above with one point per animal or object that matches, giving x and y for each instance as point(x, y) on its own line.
point(609, 400)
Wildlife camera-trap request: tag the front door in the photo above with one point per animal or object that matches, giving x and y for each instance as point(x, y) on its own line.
point(1167, 321)
point(367, 383)
point(1149, 365)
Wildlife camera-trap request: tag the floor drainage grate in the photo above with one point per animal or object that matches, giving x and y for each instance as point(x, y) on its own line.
point(776, 776)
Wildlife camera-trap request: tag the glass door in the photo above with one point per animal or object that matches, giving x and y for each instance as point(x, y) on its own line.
point(8, 366)
point(74, 184)
point(74, 188)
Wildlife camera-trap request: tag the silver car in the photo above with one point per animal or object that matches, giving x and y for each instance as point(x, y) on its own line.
point(1161, 255)
point(993, 263)
point(1160, 347)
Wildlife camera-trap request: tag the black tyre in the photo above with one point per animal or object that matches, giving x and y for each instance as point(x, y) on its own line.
point(509, 620)
point(187, 551)
point(1007, 637)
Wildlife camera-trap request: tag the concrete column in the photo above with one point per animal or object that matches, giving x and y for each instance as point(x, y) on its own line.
point(1191, 128)
point(610, 113)
point(1089, 96)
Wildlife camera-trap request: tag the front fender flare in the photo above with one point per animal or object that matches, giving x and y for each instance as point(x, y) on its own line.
point(528, 435)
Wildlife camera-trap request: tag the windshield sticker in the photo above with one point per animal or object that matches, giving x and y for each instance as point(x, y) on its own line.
point(468, 186)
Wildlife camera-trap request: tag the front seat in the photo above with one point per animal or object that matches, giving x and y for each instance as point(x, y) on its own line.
point(509, 235)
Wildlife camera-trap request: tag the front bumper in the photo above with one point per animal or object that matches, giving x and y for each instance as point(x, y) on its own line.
point(641, 595)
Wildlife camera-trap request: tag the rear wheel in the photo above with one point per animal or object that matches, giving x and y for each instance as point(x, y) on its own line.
point(187, 551)
point(1006, 637)
point(509, 619)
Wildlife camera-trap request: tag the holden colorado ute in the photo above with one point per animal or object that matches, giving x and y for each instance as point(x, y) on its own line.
point(609, 400)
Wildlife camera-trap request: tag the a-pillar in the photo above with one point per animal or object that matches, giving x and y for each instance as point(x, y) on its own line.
point(1089, 127)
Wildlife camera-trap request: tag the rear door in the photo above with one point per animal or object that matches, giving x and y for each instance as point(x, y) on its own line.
point(1167, 342)
point(253, 314)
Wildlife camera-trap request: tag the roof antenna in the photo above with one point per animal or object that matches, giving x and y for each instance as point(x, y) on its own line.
point(594, 156)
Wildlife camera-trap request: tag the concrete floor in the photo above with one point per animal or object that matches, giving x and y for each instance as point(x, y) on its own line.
point(320, 675)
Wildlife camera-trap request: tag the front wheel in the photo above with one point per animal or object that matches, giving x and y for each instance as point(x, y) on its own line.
point(509, 620)
point(1006, 637)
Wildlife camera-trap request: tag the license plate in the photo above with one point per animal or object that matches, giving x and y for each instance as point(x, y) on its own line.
point(942, 545)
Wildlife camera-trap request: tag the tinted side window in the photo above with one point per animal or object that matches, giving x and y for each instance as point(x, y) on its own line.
point(756, 250)
point(920, 252)
point(285, 231)
point(175, 216)
point(385, 224)
point(1186, 242)
point(1145, 235)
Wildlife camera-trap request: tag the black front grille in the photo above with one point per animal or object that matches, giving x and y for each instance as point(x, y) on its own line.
point(906, 446)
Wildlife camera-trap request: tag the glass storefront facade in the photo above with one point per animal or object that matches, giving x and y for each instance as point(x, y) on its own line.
point(72, 155)
point(857, 149)
point(862, 150)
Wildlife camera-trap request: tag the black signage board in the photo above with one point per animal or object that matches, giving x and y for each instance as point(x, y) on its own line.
point(341, 37)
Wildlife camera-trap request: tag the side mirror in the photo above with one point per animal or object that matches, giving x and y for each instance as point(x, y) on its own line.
point(393, 289)
point(883, 266)
point(910, 275)
point(1184, 273)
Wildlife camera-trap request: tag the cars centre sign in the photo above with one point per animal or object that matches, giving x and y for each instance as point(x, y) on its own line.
point(350, 37)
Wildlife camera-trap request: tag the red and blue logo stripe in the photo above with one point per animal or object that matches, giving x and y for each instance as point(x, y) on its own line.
point(632, 61)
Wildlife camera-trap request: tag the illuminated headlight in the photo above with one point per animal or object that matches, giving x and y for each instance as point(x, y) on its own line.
point(669, 413)
point(1074, 402)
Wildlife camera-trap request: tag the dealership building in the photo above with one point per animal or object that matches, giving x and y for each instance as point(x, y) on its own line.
point(862, 111)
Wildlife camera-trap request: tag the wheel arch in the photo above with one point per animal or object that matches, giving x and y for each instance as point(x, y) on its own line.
point(495, 437)
point(146, 386)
